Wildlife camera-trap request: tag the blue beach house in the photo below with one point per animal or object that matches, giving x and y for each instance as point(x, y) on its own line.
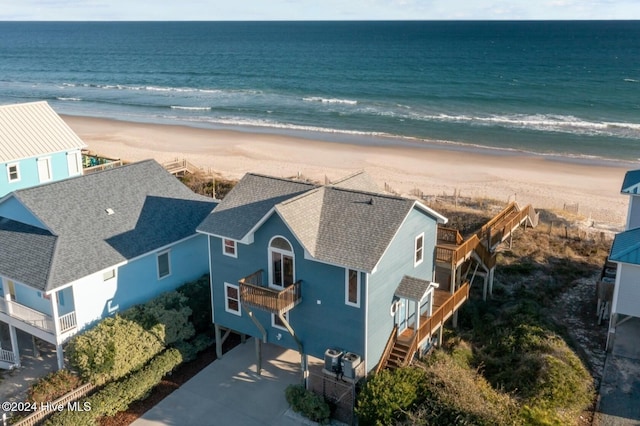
point(340, 272)
point(36, 146)
point(78, 250)
point(625, 252)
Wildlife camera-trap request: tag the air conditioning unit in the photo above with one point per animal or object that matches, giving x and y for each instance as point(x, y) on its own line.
point(350, 362)
point(332, 358)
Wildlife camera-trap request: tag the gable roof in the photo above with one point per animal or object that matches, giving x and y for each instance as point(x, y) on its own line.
point(345, 227)
point(248, 202)
point(151, 209)
point(336, 225)
point(631, 182)
point(412, 288)
point(626, 247)
point(34, 129)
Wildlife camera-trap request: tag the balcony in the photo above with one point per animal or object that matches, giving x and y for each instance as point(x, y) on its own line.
point(37, 319)
point(276, 301)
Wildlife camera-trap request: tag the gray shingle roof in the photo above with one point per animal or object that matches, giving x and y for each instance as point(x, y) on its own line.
point(626, 247)
point(345, 227)
point(151, 209)
point(631, 182)
point(27, 251)
point(412, 288)
point(248, 202)
point(360, 181)
point(32, 129)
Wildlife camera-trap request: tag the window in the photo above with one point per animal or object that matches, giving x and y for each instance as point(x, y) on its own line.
point(111, 273)
point(74, 163)
point(164, 268)
point(352, 288)
point(13, 172)
point(275, 321)
point(232, 299)
point(44, 169)
point(229, 248)
point(419, 250)
point(281, 266)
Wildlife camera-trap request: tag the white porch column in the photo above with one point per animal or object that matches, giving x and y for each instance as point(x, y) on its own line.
point(14, 345)
point(417, 315)
point(54, 314)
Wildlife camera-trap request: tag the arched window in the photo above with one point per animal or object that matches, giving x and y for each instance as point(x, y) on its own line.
point(281, 265)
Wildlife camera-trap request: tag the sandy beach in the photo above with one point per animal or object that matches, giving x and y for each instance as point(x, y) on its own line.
point(545, 183)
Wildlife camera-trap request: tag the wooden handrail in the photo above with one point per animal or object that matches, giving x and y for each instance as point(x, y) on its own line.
point(393, 338)
point(269, 299)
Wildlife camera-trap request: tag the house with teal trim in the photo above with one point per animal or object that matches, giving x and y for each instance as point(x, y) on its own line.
point(625, 252)
point(36, 147)
point(340, 272)
point(78, 250)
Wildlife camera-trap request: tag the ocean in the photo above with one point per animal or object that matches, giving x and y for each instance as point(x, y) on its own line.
point(553, 88)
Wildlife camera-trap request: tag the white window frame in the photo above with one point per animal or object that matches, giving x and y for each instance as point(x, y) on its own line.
point(417, 250)
point(109, 275)
point(273, 321)
point(47, 162)
point(17, 166)
point(226, 299)
point(162, 253)
point(74, 163)
point(225, 247)
point(282, 252)
point(346, 288)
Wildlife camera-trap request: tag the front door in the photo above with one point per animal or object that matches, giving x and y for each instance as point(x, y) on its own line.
point(402, 315)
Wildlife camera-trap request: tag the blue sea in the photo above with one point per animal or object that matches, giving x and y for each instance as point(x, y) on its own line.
point(565, 89)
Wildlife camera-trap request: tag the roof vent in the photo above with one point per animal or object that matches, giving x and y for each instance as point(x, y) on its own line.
point(370, 201)
point(109, 211)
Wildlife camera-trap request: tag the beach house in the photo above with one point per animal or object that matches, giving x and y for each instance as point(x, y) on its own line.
point(339, 272)
point(75, 251)
point(36, 146)
point(625, 252)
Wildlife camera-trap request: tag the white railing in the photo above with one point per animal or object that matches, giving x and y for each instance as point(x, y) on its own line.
point(27, 315)
point(7, 356)
point(67, 321)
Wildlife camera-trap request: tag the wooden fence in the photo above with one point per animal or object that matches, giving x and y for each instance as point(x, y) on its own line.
point(64, 400)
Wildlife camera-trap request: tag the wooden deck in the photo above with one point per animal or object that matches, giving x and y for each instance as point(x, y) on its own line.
point(181, 167)
point(256, 295)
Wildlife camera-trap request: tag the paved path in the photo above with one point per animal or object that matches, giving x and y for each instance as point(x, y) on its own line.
point(229, 392)
point(620, 388)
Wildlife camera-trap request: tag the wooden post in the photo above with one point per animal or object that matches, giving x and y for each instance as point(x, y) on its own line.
point(218, 337)
point(258, 356)
point(14, 345)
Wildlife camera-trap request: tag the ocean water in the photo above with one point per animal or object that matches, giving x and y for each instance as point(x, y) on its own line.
point(569, 89)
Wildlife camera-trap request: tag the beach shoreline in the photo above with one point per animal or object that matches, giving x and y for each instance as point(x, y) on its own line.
point(550, 183)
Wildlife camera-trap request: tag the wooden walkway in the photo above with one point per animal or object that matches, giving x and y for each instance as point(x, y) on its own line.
point(181, 167)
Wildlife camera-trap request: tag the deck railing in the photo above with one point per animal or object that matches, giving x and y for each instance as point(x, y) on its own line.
point(429, 325)
point(36, 318)
point(64, 401)
point(7, 356)
point(449, 235)
point(276, 301)
point(101, 167)
point(393, 338)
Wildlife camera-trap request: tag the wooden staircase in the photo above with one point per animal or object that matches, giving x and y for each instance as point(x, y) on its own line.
point(399, 354)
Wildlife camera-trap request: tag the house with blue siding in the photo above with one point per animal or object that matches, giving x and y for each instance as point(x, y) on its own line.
point(81, 249)
point(625, 253)
point(36, 146)
point(339, 272)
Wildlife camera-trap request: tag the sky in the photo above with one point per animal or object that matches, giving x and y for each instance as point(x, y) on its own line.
point(267, 10)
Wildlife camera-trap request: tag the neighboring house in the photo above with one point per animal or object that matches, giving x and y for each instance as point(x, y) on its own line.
point(36, 146)
point(321, 269)
point(626, 253)
point(78, 250)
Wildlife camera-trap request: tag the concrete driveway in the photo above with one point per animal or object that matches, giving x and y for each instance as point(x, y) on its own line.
point(620, 388)
point(229, 392)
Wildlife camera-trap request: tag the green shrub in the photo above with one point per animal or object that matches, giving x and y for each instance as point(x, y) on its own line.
point(112, 349)
point(53, 386)
point(388, 394)
point(117, 396)
point(198, 294)
point(166, 316)
point(310, 405)
point(190, 349)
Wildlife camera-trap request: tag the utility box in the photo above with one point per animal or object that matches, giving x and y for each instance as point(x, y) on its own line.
point(332, 359)
point(350, 362)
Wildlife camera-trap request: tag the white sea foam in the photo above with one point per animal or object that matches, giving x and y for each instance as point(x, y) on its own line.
point(330, 100)
point(630, 80)
point(189, 108)
point(68, 99)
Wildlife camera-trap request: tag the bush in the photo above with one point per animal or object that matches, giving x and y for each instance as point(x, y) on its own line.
point(166, 316)
point(388, 394)
point(53, 386)
point(112, 349)
point(308, 404)
point(117, 396)
point(198, 294)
